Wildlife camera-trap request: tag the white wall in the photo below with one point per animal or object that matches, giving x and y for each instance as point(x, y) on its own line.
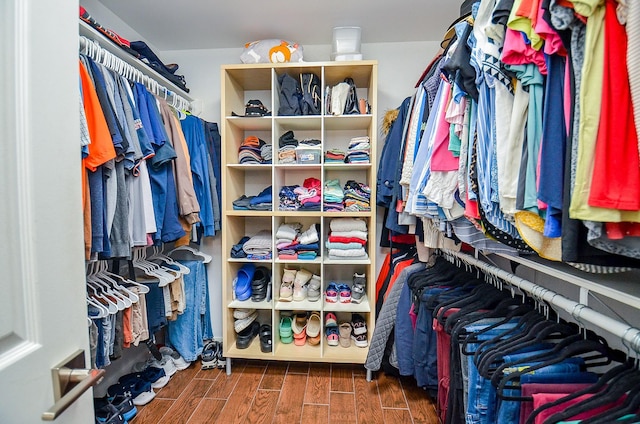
point(399, 67)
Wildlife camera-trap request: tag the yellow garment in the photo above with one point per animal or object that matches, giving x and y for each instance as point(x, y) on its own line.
point(524, 25)
point(590, 101)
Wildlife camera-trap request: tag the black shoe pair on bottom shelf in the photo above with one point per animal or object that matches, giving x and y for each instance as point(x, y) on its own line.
point(212, 355)
point(246, 336)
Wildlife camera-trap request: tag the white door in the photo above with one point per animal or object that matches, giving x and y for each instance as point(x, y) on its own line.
point(42, 306)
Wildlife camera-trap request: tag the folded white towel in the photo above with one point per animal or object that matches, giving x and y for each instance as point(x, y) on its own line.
point(288, 231)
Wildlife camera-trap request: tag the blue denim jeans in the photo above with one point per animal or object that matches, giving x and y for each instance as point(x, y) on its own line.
point(156, 318)
point(425, 355)
point(193, 326)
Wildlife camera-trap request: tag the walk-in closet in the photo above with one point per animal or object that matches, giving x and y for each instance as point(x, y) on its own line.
point(360, 212)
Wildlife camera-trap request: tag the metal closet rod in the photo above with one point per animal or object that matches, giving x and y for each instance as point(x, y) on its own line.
point(93, 49)
point(630, 336)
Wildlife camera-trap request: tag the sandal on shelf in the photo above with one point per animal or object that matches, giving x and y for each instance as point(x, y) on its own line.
point(246, 336)
point(265, 338)
point(286, 334)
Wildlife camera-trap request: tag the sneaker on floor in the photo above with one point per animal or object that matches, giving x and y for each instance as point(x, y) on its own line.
point(178, 360)
point(209, 356)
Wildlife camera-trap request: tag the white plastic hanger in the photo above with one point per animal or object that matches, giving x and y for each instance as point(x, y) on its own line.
point(158, 254)
point(103, 311)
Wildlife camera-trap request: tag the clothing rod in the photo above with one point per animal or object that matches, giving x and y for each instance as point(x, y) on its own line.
point(95, 51)
point(630, 336)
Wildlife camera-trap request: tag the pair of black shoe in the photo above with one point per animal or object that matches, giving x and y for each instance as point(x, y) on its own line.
point(260, 284)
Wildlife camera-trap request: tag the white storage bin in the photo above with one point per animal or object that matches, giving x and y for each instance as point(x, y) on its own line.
point(346, 41)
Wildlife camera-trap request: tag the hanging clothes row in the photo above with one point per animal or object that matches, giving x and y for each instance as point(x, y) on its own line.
point(157, 292)
point(151, 172)
point(522, 136)
point(499, 354)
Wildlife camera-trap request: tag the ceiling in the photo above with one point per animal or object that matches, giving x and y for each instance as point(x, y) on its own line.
point(210, 24)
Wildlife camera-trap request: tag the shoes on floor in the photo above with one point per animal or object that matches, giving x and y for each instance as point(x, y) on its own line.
point(209, 355)
point(178, 360)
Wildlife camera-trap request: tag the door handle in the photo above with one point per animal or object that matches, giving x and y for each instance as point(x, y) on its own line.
point(70, 381)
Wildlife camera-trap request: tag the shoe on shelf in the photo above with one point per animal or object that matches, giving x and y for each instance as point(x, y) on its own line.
point(345, 334)
point(288, 275)
point(265, 338)
point(359, 288)
point(360, 340)
point(333, 336)
point(344, 293)
point(331, 294)
point(286, 334)
point(241, 324)
point(246, 336)
point(300, 293)
point(313, 290)
point(242, 313)
point(314, 325)
point(330, 320)
point(359, 324)
point(302, 277)
point(286, 291)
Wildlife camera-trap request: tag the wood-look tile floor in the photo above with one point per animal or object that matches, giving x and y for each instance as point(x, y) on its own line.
point(281, 392)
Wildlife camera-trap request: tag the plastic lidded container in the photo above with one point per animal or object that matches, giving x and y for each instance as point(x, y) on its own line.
point(346, 40)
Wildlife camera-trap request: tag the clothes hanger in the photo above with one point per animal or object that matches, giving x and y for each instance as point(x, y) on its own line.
point(538, 334)
point(110, 277)
point(103, 311)
point(608, 377)
point(112, 306)
point(631, 405)
point(573, 350)
point(612, 393)
point(152, 269)
point(206, 258)
point(158, 254)
point(109, 284)
point(121, 300)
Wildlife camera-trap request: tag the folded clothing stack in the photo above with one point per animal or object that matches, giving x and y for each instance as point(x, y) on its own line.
point(293, 245)
point(357, 197)
point(254, 151)
point(359, 150)
point(309, 195)
point(262, 202)
point(258, 247)
point(347, 239)
point(237, 250)
point(287, 144)
point(334, 156)
point(333, 196)
point(288, 199)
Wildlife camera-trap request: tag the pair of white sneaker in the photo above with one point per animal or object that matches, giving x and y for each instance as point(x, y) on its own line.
point(171, 363)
